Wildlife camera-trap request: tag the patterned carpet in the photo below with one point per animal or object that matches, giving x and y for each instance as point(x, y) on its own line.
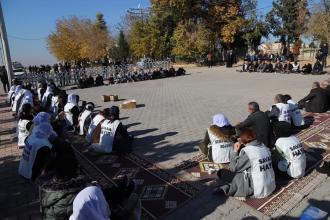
point(316, 140)
point(160, 192)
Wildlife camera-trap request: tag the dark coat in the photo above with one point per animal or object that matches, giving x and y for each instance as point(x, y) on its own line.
point(316, 101)
point(259, 122)
point(56, 197)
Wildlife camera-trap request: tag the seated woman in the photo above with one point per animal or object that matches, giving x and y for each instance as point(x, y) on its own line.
point(113, 136)
point(95, 125)
point(119, 202)
point(291, 157)
point(295, 67)
point(57, 194)
point(37, 152)
point(71, 110)
point(297, 118)
point(90, 203)
point(24, 124)
point(217, 144)
point(251, 162)
point(85, 118)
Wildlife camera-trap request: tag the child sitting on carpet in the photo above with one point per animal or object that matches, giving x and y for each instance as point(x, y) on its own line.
point(291, 157)
point(217, 144)
point(251, 162)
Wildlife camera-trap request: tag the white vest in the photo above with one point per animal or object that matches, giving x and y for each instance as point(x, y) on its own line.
point(32, 145)
point(22, 131)
point(54, 105)
point(45, 98)
point(39, 93)
point(285, 114)
point(220, 149)
point(95, 122)
point(68, 114)
point(262, 172)
point(108, 131)
point(26, 99)
point(10, 93)
point(17, 101)
point(294, 155)
point(82, 118)
point(297, 118)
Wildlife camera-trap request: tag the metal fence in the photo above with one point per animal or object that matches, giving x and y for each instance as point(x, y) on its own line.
point(71, 77)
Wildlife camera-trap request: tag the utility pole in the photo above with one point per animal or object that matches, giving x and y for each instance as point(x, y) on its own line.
point(5, 47)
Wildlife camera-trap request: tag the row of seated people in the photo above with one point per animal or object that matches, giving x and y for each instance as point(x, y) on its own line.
point(259, 149)
point(142, 75)
point(86, 82)
point(48, 159)
point(266, 66)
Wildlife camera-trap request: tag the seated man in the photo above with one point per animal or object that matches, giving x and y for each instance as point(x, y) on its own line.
point(99, 80)
point(291, 156)
point(287, 67)
point(258, 121)
point(113, 136)
point(295, 67)
point(269, 67)
point(217, 144)
point(280, 111)
point(251, 162)
point(316, 101)
point(85, 118)
point(296, 116)
point(317, 68)
point(261, 66)
point(95, 125)
point(306, 68)
point(278, 67)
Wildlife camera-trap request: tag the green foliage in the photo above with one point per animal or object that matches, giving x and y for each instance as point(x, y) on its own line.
point(121, 49)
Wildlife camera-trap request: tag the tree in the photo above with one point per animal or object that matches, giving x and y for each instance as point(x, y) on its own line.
point(78, 39)
point(319, 24)
point(253, 32)
point(288, 19)
point(190, 40)
point(100, 22)
point(121, 49)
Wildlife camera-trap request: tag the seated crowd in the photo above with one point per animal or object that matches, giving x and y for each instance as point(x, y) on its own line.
point(263, 147)
point(268, 65)
point(47, 118)
point(257, 149)
point(135, 76)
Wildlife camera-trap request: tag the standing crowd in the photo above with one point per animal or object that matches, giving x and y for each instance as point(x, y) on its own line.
point(46, 118)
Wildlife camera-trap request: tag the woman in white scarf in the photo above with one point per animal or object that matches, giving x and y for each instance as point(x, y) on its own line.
point(90, 204)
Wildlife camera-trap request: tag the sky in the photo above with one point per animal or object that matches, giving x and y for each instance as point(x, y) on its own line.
point(29, 22)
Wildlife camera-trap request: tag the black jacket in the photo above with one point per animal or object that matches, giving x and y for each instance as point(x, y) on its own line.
point(316, 101)
point(259, 122)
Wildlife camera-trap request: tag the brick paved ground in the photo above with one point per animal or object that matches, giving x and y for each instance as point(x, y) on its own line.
point(18, 197)
point(170, 120)
point(174, 113)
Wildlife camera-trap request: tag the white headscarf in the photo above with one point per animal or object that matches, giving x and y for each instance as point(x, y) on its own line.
point(90, 204)
point(220, 120)
point(72, 98)
point(18, 88)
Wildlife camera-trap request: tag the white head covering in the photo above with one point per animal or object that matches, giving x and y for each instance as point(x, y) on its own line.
point(90, 204)
point(49, 89)
point(220, 120)
point(18, 88)
point(72, 98)
point(27, 99)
